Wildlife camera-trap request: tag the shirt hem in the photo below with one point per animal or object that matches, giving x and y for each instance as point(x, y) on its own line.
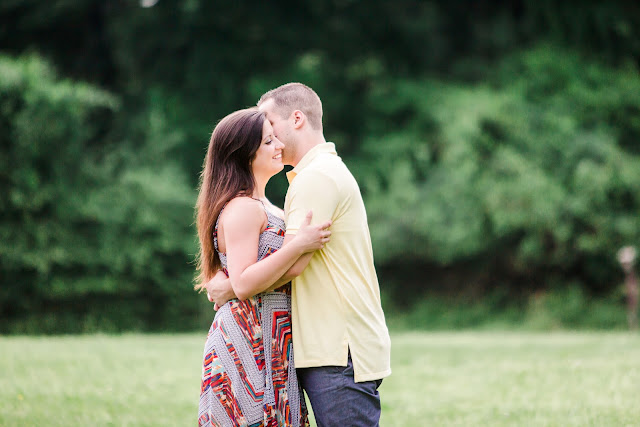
point(357, 378)
point(372, 377)
point(318, 363)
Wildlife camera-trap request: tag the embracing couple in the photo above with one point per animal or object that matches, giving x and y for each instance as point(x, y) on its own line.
point(307, 289)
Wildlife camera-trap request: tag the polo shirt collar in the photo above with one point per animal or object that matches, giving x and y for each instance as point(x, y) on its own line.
point(325, 147)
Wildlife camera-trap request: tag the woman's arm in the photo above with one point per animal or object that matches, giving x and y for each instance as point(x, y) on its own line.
point(242, 222)
point(296, 269)
point(219, 290)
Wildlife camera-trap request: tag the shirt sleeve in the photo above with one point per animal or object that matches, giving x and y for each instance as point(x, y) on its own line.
point(311, 191)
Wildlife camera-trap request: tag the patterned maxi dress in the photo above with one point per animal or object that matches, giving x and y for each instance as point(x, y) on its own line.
point(248, 376)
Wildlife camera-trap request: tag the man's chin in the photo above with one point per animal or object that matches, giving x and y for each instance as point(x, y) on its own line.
point(286, 162)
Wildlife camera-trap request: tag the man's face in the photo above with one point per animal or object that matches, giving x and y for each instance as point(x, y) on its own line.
point(281, 130)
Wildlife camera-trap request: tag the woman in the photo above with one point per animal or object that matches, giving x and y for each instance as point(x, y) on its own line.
point(248, 373)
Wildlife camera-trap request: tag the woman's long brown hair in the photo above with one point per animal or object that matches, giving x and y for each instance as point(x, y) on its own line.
point(226, 173)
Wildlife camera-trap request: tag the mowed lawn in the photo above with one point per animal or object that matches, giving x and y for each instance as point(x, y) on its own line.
point(439, 379)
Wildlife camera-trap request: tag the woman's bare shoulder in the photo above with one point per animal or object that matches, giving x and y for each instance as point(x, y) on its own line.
point(243, 210)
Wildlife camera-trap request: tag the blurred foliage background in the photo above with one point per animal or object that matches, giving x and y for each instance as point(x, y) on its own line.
point(497, 145)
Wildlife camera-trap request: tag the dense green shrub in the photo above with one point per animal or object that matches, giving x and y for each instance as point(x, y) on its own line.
point(93, 236)
point(496, 144)
point(533, 175)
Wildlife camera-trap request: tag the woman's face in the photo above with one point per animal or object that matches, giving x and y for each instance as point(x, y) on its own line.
point(268, 159)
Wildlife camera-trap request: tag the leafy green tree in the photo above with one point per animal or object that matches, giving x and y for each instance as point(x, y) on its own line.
point(496, 143)
point(533, 175)
point(92, 235)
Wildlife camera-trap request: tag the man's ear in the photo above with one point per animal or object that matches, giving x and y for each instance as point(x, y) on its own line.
point(298, 119)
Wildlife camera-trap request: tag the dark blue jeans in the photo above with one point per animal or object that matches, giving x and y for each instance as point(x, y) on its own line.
point(337, 400)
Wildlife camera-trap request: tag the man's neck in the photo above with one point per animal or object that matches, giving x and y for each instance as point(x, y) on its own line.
point(313, 140)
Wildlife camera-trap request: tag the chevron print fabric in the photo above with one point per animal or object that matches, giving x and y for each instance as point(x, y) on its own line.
point(248, 375)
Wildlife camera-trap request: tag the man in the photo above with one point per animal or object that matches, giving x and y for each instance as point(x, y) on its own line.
point(341, 342)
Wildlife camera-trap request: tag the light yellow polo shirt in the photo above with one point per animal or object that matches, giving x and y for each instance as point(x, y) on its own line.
point(336, 300)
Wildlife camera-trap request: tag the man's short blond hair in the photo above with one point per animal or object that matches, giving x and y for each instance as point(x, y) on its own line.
point(296, 96)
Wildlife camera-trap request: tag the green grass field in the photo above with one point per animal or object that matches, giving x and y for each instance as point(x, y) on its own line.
point(439, 379)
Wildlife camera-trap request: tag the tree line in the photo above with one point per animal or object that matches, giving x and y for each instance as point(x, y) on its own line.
point(496, 144)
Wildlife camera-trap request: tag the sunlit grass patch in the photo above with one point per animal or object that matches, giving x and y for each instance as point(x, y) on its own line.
point(439, 379)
